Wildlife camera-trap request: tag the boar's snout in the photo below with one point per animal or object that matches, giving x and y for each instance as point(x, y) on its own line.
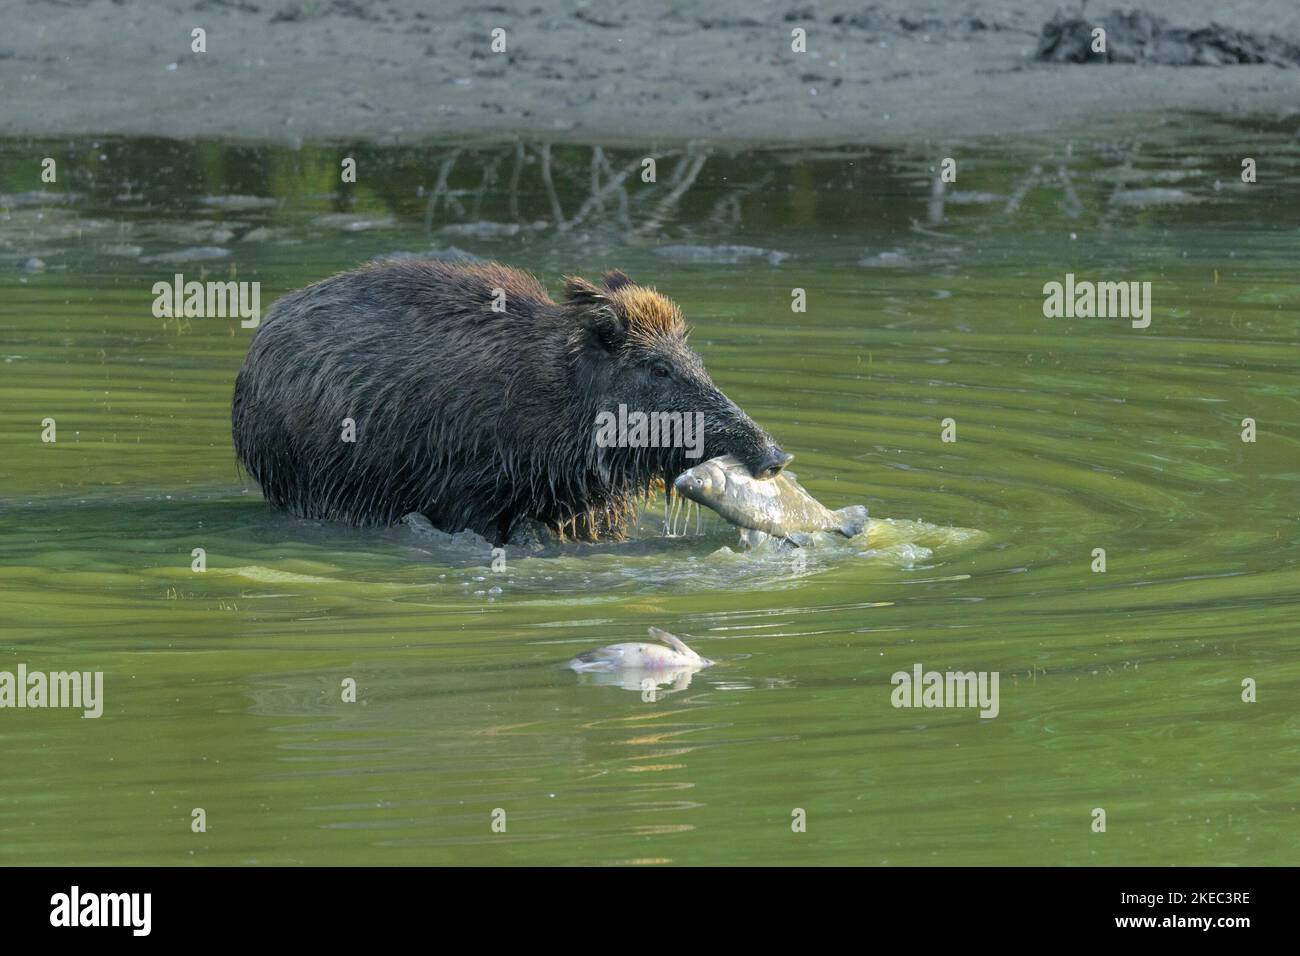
point(729, 431)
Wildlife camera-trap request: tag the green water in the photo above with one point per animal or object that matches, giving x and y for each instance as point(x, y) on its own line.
point(1118, 690)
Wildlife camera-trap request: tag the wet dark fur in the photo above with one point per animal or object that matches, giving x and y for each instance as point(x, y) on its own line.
point(477, 419)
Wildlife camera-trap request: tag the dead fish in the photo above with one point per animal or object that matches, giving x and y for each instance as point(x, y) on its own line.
point(778, 506)
point(641, 657)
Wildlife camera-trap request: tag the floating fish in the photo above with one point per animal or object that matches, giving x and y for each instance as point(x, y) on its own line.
point(641, 657)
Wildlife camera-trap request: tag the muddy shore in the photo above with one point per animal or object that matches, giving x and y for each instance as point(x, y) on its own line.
point(615, 72)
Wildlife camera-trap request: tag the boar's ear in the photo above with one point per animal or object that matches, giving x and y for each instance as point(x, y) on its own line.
point(579, 291)
point(596, 313)
point(605, 326)
point(616, 279)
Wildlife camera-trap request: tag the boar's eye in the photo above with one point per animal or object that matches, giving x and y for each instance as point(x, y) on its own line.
point(660, 370)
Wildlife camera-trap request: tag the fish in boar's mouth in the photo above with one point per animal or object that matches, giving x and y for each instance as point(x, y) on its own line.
point(778, 506)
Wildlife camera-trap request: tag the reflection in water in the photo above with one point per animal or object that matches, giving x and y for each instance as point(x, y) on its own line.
point(652, 684)
point(233, 201)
